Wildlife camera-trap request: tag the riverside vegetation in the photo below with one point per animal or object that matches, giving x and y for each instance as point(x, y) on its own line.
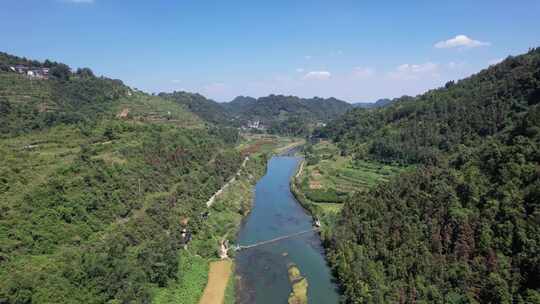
point(223, 222)
point(299, 286)
point(327, 179)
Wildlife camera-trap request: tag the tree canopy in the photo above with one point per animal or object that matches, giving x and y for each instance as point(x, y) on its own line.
point(464, 227)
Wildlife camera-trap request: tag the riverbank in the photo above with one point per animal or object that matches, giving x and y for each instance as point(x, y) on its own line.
point(225, 215)
point(226, 210)
point(292, 146)
point(330, 178)
point(326, 179)
point(262, 268)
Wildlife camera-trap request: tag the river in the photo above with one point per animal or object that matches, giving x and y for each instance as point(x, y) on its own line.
point(263, 269)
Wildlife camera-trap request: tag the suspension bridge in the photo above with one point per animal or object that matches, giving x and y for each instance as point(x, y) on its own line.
point(244, 247)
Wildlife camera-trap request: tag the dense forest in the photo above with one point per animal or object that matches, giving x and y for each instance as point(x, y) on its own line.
point(288, 115)
point(278, 114)
point(95, 179)
point(464, 227)
point(205, 108)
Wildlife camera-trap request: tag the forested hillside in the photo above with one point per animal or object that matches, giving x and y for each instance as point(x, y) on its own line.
point(27, 103)
point(464, 227)
point(278, 114)
point(207, 109)
point(286, 114)
point(96, 183)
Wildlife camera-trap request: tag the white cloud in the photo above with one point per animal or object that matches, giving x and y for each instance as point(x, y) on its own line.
point(414, 71)
point(495, 61)
point(363, 72)
point(460, 41)
point(317, 75)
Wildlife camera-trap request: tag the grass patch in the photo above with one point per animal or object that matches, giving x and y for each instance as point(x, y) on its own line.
point(188, 288)
point(267, 143)
point(230, 295)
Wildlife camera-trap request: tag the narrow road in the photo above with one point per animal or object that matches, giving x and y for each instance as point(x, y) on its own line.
point(210, 201)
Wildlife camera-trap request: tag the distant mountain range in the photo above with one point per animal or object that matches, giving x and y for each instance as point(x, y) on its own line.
point(278, 113)
point(207, 109)
point(281, 107)
point(371, 105)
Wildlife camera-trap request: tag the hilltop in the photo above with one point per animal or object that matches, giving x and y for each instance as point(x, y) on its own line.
point(287, 114)
point(209, 110)
point(278, 114)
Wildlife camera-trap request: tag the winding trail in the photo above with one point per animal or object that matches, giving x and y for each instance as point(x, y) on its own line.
point(301, 169)
point(212, 199)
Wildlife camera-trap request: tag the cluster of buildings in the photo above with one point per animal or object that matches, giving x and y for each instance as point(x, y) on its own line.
point(254, 125)
point(37, 73)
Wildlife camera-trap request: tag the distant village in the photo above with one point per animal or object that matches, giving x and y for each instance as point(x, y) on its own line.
point(35, 73)
point(254, 125)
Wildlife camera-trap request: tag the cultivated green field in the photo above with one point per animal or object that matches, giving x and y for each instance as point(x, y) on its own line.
point(327, 178)
point(266, 143)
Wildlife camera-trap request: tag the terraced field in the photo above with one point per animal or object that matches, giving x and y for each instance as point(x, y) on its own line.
point(328, 178)
point(145, 108)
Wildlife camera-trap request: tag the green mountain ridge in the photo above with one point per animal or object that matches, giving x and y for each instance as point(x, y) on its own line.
point(288, 115)
point(207, 109)
point(464, 227)
point(94, 179)
point(274, 105)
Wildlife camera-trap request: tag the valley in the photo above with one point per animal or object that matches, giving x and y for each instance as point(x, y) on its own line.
point(109, 194)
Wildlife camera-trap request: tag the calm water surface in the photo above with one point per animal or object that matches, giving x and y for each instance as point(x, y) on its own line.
point(263, 269)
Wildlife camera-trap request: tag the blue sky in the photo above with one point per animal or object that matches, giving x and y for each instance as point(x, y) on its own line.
point(354, 50)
